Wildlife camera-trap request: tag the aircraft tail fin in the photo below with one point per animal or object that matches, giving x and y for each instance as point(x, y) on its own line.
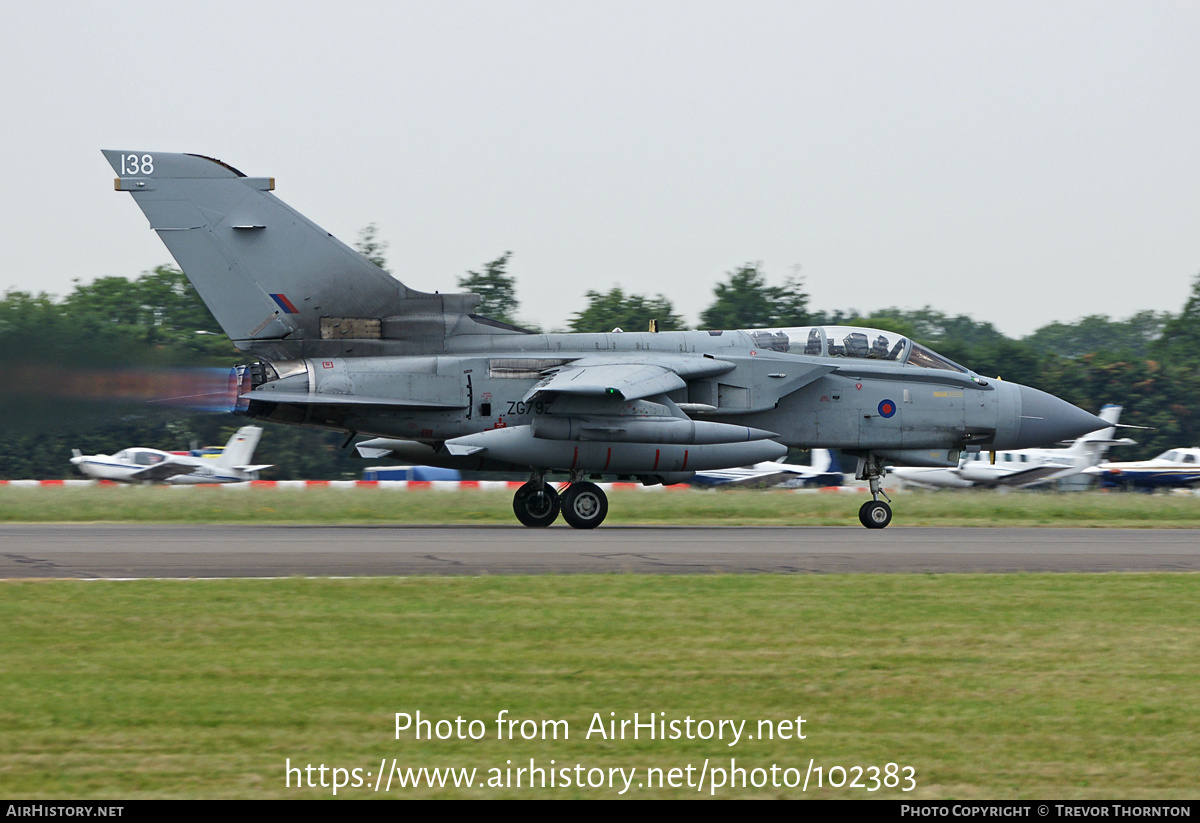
point(1094, 445)
point(822, 459)
point(239, 451)
point(277, 283)
point(835, 465)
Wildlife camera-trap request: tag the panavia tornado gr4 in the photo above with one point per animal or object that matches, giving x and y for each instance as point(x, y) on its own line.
point(342, 345)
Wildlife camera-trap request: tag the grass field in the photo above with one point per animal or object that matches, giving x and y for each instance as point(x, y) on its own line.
point(988, 686)
point(688, 507)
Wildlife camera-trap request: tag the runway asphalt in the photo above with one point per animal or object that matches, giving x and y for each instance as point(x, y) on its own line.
point(93, 551)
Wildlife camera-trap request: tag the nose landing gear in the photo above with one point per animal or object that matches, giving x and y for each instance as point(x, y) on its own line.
point(874, 514)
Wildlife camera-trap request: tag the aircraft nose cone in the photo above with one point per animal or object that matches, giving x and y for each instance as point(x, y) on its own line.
point(1046, 419)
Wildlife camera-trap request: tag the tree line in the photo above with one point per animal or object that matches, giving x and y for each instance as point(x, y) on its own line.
point(73, 366)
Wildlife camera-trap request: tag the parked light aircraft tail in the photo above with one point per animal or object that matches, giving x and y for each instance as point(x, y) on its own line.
point(143, 465)
point(239, 451)
point(1024, 467)
point(344, 346)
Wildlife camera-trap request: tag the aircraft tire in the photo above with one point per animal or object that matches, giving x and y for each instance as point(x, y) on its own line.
point(584, 505)
point(875, 514)
point(534, 509)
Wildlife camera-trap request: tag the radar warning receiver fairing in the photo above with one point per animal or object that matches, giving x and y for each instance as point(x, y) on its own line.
point(344, 346)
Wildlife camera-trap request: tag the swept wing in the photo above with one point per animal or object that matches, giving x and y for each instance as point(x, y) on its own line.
point(629, 379)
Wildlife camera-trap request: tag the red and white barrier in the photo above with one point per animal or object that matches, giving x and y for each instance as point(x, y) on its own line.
point(391, 485)
point(300, 485)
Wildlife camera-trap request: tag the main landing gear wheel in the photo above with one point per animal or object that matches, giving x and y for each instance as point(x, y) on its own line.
point(875, 514)
point(536, 504)
point(584, 505)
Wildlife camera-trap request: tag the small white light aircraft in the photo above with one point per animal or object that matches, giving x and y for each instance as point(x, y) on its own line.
point(142, 465)
point(1022, 467)
point(1176, 468)
point(824, 471)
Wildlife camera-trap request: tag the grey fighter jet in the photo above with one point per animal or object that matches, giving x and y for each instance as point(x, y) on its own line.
point(342, 345)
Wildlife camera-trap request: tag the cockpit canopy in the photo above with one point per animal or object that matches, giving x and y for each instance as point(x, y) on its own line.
point(141, 457)
point(1179, 456)
point(851, 341)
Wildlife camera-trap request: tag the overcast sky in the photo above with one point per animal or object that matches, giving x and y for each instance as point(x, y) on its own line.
point(1020, 162)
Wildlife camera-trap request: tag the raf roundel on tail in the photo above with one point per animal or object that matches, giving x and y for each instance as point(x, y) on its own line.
point(342, 345)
